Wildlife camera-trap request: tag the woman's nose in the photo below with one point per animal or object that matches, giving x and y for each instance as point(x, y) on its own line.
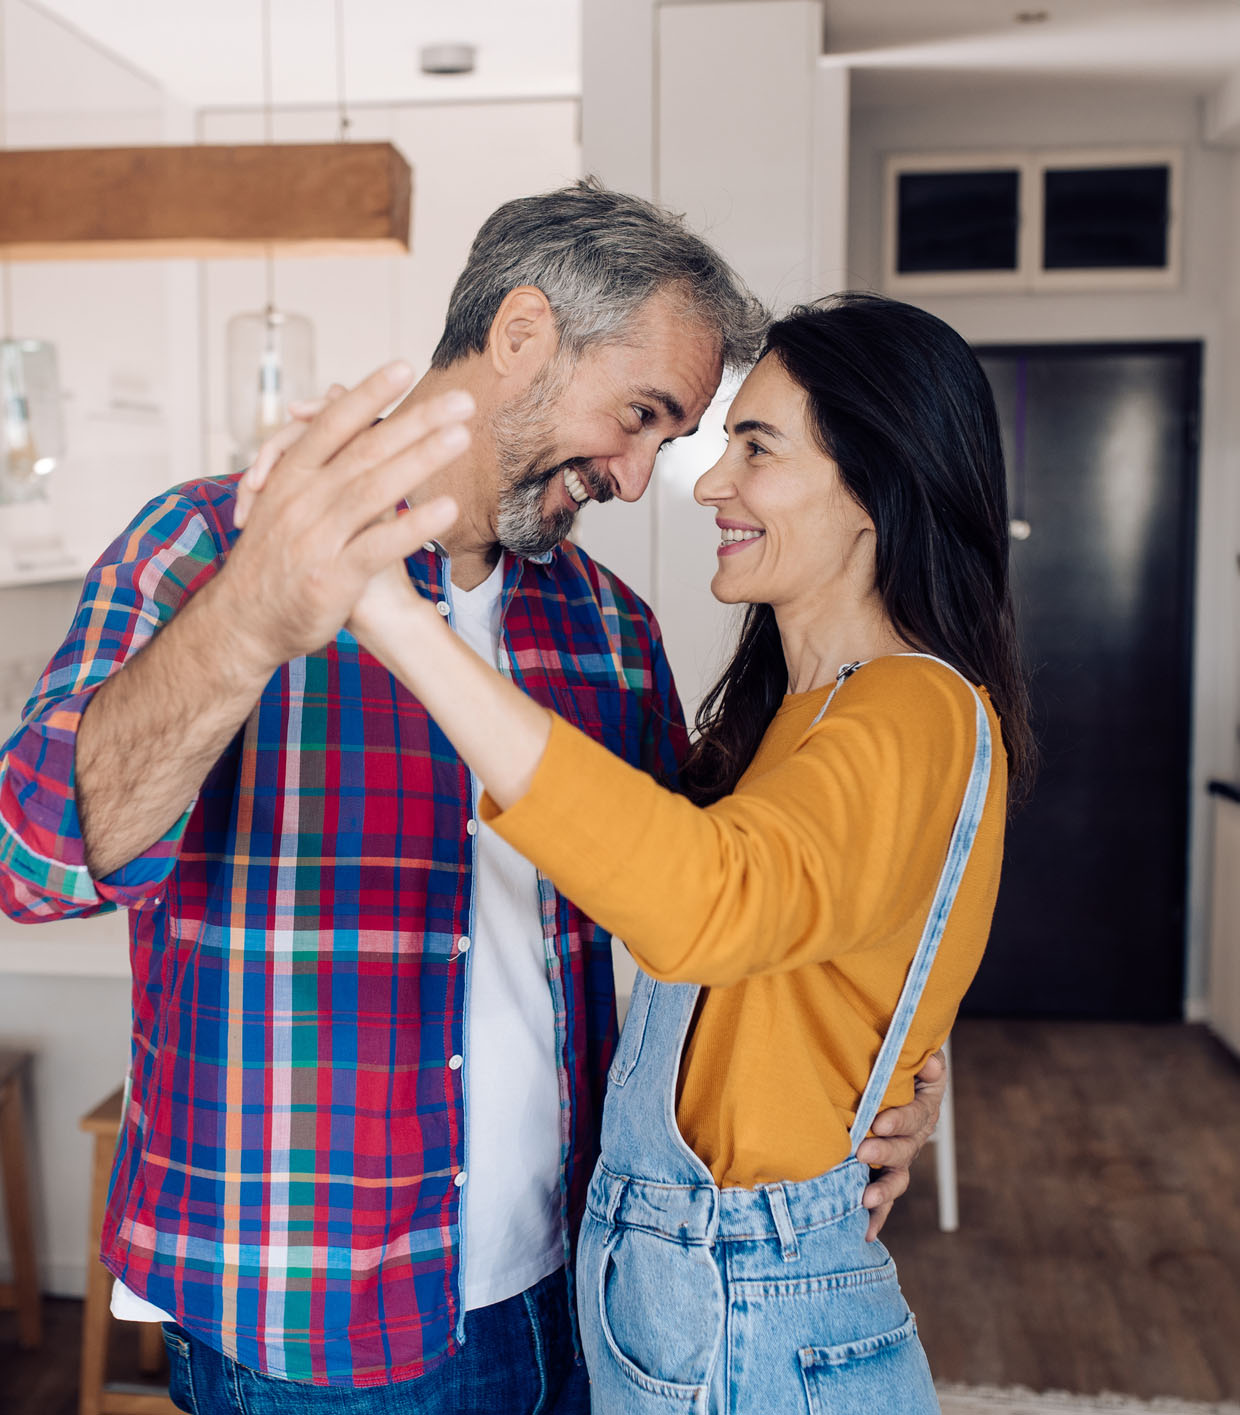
point(713, 485)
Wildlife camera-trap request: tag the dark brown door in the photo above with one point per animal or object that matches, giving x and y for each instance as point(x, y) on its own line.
point(1101, 451)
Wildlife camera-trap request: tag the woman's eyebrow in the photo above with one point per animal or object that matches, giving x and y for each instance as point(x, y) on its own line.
point(756, 425)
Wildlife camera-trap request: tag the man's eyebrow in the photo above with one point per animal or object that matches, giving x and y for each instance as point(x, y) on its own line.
point(755, 425)
point(671, 405)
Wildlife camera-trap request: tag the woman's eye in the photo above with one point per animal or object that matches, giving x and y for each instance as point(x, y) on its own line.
point(643, 414)
point(754, 448)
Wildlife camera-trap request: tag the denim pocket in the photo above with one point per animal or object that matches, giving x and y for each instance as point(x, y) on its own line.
point(884, 1372)
point(180, 1369)
point(633, 1033)
point(660, 1307)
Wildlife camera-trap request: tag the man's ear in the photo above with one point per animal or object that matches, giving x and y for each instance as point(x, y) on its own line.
point(523, 333)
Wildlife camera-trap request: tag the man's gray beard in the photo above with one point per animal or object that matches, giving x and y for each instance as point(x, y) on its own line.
point(524, 450)
point(523, 526)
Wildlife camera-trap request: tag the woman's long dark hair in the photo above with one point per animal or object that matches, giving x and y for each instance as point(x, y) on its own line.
point(899, 402)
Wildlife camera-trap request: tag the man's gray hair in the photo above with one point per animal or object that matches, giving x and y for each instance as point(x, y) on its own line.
point(598, 256)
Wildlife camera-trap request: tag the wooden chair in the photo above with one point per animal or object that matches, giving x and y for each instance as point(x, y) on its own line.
point(96, 1395)
point(23, 1292)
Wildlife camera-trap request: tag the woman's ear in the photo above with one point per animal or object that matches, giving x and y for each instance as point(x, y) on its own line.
point(523, 333)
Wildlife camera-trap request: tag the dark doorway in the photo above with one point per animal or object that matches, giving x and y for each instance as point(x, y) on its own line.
point(1101, 450)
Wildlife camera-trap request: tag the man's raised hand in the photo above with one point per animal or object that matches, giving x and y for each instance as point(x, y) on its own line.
point(323, 525)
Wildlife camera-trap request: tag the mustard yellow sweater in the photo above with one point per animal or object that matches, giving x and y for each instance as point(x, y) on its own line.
point(797, 902)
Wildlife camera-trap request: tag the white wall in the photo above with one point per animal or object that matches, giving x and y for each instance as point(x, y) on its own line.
point(750, 142)
point(1084, 115)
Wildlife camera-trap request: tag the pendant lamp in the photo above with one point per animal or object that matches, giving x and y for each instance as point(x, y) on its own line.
point(31, 435)
point(207, 201)
point(270, 352)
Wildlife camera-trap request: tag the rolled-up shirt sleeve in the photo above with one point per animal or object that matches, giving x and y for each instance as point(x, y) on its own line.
point(137, 585)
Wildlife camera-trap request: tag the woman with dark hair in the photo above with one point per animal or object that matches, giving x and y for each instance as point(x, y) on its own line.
point(810, 906)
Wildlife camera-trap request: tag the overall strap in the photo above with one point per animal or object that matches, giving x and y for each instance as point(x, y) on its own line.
point(963, 835)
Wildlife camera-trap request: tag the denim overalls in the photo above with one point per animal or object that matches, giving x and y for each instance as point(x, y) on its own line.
point(746, 1301)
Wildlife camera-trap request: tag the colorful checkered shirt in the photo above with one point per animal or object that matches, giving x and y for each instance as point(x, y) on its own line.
point(283, 1183)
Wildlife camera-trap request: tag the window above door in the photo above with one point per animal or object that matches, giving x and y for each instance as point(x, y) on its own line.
point(1075, 219)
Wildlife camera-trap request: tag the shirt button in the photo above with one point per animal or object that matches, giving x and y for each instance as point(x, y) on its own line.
point(456, 1062)
point(471, 827)
point(442, 607)
point(460, 1179)
point(462, 945)
point(428, 545)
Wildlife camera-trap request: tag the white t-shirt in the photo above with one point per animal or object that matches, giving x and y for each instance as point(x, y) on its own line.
point(512, 1189)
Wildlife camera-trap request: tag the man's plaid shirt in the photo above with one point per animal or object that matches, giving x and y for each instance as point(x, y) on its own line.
point(284, 1178)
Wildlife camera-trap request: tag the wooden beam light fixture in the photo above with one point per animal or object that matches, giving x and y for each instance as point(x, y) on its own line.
point(205, 202)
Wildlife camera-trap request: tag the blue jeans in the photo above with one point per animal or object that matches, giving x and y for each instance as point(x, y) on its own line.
point(517, 1360)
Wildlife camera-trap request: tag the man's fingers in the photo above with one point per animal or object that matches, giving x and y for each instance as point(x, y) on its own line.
point(257, 472)
point(898, 1152)
point(301, 411)
point(880, 1195)
point(934, 1070)
point(885, 1188)
point(397, 537)
point(380, 488)
point(353, 412)
point(402, 431)
point(878, 1217)
point(306, 408)
point(917, 1119)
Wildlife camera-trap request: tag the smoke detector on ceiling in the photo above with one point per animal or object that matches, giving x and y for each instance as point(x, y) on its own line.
point(448, 58)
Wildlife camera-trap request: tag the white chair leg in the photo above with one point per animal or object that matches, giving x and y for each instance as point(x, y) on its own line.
point(945, 1154)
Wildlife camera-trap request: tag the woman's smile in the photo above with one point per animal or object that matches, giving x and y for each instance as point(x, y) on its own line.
point(735, 536)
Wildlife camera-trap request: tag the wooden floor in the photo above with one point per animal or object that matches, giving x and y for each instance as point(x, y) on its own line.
point(45, 1382)
point(1099, 1246)
point(1099, 1241)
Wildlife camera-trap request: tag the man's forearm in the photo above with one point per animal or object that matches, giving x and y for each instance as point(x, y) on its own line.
point(153, 731)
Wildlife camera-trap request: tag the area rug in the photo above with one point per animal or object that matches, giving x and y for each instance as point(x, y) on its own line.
point(990, 1400)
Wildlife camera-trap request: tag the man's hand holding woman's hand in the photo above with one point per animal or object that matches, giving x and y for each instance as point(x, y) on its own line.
point(326, 527)
point(897, 1139)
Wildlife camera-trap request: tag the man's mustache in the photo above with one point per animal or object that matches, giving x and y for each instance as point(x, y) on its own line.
point(598, 486)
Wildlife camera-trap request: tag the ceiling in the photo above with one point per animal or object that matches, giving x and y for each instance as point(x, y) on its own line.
point(208, 53)
point(1188, 46)
point(873, 24)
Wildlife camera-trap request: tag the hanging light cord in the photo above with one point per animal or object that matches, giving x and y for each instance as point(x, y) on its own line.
point(268, 137)
point(342, 107)
point(6, 271)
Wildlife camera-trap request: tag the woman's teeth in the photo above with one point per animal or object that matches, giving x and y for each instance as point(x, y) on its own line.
point(576, 487)
point(730, 537)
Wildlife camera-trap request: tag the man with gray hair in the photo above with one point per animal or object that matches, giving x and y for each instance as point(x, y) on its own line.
point(370, 1043)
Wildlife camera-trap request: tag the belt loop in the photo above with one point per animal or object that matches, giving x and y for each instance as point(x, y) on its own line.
point(778, 1201)
point(615, 1192)
point(712, 1221)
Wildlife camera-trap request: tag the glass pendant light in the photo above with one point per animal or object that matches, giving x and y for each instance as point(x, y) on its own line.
point(270, 364)
point(31, 435)
point(270, 352)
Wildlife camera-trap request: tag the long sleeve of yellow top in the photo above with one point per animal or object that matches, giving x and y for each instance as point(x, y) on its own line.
point(797, 902)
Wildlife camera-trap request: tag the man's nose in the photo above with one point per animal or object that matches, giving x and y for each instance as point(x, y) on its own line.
point(631, 472)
